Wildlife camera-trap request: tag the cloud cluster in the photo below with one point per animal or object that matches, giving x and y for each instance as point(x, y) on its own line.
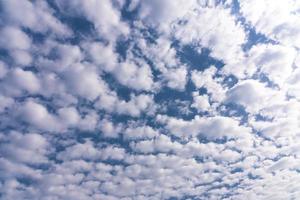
point(118, 99)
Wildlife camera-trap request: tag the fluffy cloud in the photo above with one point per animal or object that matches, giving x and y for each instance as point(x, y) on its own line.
point(258, 95)
point(139, 78)
point(143, 132)
point(38, 116)
point(222, 32)
point(34, 15)
point(274, 61)
point(216, 35)
point(84, 81)
point(176, 78)
point(210, 127)
point(104, 16)
point(102, 55)
point(25, 80)
point(134, 107)
point(109, 129)
point(25, 148)
point(14, 38)
point(133, 75)
point(163, 13)
point(206, 80)
point(201, 102)
point(277, 20)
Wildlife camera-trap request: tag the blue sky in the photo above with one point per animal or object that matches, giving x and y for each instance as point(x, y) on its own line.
point(149, 99)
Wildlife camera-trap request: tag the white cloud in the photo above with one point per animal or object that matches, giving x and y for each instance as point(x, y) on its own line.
point(133, 75)
point(38, 116)
point(21, 57)
point(222, 32)
point(141, 132)
point(257, 96)
point(130, 75)
point(163, 13)
point(292, 83)
point(279, 127)
point(26, 148)
point(34, 15)
point(208, 127)
point(161, 143)
point(164, 58)
point(18, 81)
point(25, 80)
point(109, 129)
point(206, 80)
point(162, 54)
point(58, 57)
point(285, 163)
point(69, 116)
point(15, 170)
point(136, 105)
point(201, 102)
point(84, 81)
point(273, 60)
point(176, 78)
point(89, 122)
point(228, 155)
point(102, 55)
point(104, 16)
point(216, 35)
point(80, 151)
point(14, 38)
point(277, 20)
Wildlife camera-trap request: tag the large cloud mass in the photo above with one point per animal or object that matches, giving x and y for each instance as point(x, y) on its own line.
point(149, 99)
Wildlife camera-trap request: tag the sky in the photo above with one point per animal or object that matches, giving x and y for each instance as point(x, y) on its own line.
point(149, 99)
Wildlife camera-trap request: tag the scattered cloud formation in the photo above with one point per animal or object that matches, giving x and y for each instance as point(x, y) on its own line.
point(149, 99)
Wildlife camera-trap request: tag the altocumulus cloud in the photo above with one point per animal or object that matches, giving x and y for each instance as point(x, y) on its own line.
point(149, 99)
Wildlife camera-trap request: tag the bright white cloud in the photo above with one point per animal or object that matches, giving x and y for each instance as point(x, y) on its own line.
point(109, 129)
point(176, 78)
point(208, 127)
point(38, 116)
point(206, 80)
point(27, 148)
point(129, 74)
point(278, 20)
point(201, 102)
point(84, 81)
point(143, 132)
point(222, 32)
point(104, 16)
point(34, 15)
point(163, 13)
point(251, 94)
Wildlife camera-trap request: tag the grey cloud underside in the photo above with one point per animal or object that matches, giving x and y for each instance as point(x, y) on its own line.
point(149, 99)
